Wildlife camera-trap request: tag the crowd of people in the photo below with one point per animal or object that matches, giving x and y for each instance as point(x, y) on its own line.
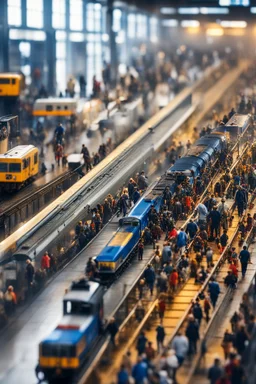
point(231, 369)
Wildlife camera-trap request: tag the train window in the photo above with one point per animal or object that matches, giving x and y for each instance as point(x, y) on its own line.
point(13, 81)
point(14, 167)
point(4, 81)
point(58, 107)
point(24, 164)
point(78, 307)
point(49, 108)
point(58, 350)
point(28, 161)
point(35, 158)
point(3, 167)
point(66, 107)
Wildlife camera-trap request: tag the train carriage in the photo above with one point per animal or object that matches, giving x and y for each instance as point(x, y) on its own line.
point(64, 351)
point(18, 166)
point(119, 248)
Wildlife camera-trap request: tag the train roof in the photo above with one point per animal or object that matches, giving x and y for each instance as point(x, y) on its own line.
point(187, 163)
point(7, 118)
point(212, 140)
point(64, 336)
point(17, 152)
point(238, 120)
point(111, 252)
point(141, 207)
point(7, 75)
point(84, 295)
point(56, 101)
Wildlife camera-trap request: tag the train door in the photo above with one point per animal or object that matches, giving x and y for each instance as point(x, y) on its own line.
point(24, 169)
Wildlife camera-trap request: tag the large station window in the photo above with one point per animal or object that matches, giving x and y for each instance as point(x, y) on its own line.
point(142, 26)
point(14, 12)
point(94, 59)
point(59, 14)
point(76, 15)
point(35, 13)
point(117, 20)
point(93, 17)
point(131, 25)
point(61, 65)
point(153, 23)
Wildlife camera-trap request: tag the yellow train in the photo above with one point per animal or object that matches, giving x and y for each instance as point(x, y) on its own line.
point(18, 166)
point(11, 84)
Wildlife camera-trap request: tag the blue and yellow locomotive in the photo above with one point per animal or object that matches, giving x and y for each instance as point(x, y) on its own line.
point(119, 248)
point(62, 353)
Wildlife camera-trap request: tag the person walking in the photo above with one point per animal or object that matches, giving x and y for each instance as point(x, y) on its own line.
point(182, 240)
point(192, 333)
point(244, 257)
point(214, 291)
point(141, 343)
point(161, 309)
point(180, 344)
point(198, 312)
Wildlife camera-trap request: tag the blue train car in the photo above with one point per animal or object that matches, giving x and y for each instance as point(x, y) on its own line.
point(198, 156)
point(62, 353)
point(127, 236)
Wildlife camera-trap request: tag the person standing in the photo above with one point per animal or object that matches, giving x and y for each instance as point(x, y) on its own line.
point(150, 277)
point(112, 328)
point(192, 333)
point(215, 372)
point(244, 260)
point(182, 240)
point(160, 335)
point(140, 250)
point(198, 312)
point(30, 271)
point(214, 290)
point(45, 262)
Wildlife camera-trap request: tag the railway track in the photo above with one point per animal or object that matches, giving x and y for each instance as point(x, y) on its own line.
point(176, 311)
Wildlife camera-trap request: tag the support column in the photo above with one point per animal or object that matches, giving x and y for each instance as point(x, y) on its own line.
point(112, 42)
point(4, 38)
point(50, 48)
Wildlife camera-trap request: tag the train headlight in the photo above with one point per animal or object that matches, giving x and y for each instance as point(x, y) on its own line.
point(14, 177)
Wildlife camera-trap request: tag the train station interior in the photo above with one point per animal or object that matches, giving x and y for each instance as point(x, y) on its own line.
point(127, 191)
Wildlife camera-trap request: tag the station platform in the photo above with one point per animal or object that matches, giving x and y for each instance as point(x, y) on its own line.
point(19, 352)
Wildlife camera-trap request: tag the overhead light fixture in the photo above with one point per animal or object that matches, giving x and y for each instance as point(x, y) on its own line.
point(253, 9)
point(214, 32)
point(233, 24)
point(170, 23)
point(188, 11)
point(214, 11)
point(229, 3)
point(168, 11)
point(190, 23)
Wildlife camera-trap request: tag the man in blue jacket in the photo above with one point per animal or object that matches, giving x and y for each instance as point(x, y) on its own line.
point(214, 290)
point(192, 229)
point(139, 371)
point(182, 240)
point(150, 277)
